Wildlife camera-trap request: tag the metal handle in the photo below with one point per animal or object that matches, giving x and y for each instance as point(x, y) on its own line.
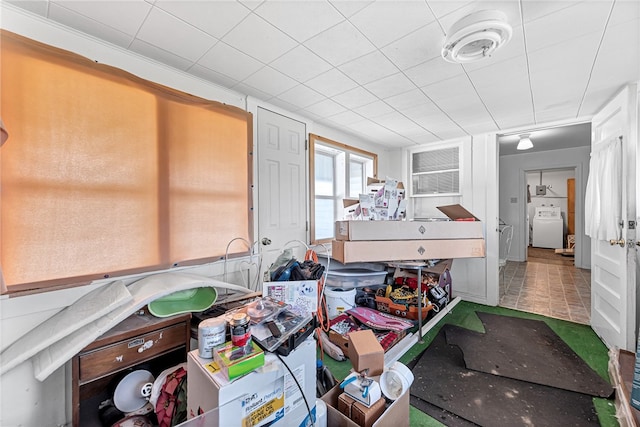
point(266, 241)
point(617, 242)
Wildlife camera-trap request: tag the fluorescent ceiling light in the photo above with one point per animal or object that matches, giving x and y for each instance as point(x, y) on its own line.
point(524, 143)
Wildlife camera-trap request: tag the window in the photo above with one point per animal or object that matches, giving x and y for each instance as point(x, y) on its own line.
point(106, 174)
point(435, 172)
point(338, 171)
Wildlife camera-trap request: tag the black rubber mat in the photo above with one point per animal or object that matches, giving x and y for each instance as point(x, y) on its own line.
point(445, 417)
point(489, 400)
point(527, 350)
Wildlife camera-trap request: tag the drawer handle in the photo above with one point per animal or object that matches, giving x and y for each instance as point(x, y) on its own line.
point(147, 345)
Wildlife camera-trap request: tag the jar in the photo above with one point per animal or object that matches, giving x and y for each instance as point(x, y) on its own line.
point(211, 334)
point(240, 329)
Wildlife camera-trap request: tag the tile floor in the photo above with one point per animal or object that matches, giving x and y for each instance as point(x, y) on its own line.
point(562, 292)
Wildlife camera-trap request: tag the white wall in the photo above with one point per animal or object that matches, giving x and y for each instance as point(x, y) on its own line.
point(513, 200)
point(25, 401)
point(474, 279)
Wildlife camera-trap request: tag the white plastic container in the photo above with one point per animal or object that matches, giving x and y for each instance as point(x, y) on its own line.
point(349, 278)
point(339, 300)
point(321, 413)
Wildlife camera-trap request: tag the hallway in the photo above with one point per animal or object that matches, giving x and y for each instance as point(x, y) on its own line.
point(549, 286)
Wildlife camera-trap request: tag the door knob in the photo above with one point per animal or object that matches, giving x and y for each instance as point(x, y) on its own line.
point(266, 241)
point(617, 242)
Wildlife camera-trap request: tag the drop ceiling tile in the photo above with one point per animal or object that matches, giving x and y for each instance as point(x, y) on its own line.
point(301, 64)
point(373, 110)
point(560, 72)
point(532, 10)
point(419, 46)
point(567, 24)
point(419, 113)
point(39, 7)
point(624, 11)
point(213, 17)
point(390, 86)
point(259, 39)
point(229, 61)
point(386, 21)
point(182, 40)
point(286, 16)
point(301, 96)
point(433, 71)
point(212, 76)
point(270, 81)
point(407, 99)
point(443, 8)
point(615, 63)
point(251, 91)
point(124, 16)
point(331, 83)
point(456, 87)
point(510, 8)
point(326, 108)
point(89, 26)
point(349, 7)
point(354, 98)
point(368, 68)
point(340, 44)
point(420, 136)
point(346, 118)
point(251, 4)
point(284, 105)
point(507, 73)
point(481, 127)
point(157, 54)
point(397, 122)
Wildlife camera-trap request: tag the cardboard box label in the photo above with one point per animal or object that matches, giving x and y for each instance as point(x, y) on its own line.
point(260, 409)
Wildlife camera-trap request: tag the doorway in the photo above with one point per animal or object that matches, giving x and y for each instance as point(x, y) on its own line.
point(536, 278)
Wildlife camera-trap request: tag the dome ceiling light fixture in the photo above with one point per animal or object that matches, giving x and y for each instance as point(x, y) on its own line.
point(476, 36)
point(524, 143)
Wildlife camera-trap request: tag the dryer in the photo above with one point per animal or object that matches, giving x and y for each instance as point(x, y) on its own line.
point(548, 227)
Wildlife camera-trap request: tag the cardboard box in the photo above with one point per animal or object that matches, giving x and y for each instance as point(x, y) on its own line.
point(264, 396)
point(407, 230)
point(396, 414)
point(345, 403)
point(360, 414)
point(366, 416)
point(365, 352)
point(401, 250)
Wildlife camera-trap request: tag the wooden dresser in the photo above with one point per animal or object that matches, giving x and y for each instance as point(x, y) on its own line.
point(141, 341)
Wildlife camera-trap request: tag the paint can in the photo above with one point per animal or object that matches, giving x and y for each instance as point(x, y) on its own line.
point(240, 329)
point(211, 334)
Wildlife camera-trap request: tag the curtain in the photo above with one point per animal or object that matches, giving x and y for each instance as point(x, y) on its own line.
point(603, 199)
point(107, 174)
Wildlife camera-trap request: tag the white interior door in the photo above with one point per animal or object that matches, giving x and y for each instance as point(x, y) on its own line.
point(282, 185)
point(613, 290)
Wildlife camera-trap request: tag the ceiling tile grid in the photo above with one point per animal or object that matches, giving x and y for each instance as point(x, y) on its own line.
point(373, 68)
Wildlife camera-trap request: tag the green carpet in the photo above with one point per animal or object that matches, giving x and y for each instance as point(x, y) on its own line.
point(580, 338)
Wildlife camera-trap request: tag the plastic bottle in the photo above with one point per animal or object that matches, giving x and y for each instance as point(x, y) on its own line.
point(324, 379)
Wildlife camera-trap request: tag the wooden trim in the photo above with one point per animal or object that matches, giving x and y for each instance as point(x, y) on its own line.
point(313, 138)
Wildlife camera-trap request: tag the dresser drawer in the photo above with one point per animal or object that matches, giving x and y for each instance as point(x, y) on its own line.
point(126, 353)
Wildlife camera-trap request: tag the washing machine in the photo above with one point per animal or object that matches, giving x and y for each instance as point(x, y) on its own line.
point(548, 227)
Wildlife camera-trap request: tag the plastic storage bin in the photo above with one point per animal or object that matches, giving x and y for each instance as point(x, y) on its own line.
point(349, 278)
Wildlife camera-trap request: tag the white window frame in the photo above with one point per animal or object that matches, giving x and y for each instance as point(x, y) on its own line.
point(438, 147)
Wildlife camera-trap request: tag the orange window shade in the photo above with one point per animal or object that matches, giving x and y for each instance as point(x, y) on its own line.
point(104, 173)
